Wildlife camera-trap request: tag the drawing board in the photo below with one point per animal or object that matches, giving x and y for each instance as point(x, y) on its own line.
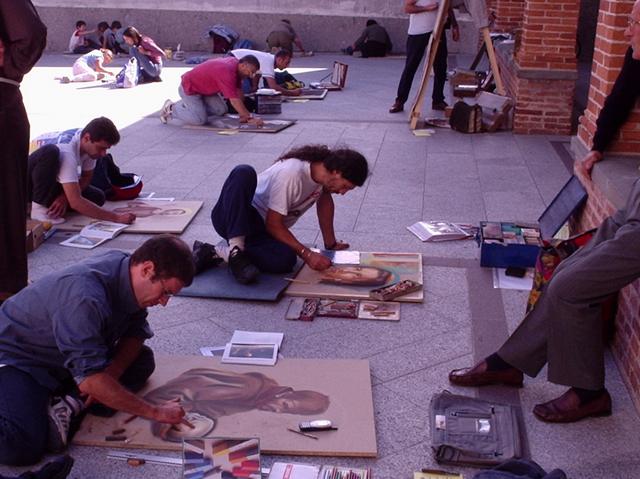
point(308, 94)
point(225, 124)
point(231, 400)
point(355, 281)
point(152, 216)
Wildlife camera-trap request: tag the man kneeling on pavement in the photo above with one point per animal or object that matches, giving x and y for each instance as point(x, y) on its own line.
point(75, 339)
point(254, 213)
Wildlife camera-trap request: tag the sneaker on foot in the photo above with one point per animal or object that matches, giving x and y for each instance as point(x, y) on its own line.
point(39, 213)
point(62, 411)
point(165, 113)
point(205, 256)
point(241, 267)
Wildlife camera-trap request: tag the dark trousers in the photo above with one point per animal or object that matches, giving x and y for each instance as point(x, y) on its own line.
point(14, 148)
point(44, 164)
point(416, 46)
point(372, 49)
point(233, 215)
point(24, 406)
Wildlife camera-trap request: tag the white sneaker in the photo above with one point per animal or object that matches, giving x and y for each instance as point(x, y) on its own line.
point(165, 113)
point(39, 213)
point(62, 411)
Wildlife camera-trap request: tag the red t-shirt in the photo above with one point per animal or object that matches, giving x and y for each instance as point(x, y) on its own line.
point(219, 75)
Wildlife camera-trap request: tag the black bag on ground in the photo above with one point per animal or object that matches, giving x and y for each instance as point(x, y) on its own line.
point(472, 432)
point(466, 118)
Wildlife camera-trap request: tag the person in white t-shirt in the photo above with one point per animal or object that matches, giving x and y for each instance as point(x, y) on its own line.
point(268, 64)
point(59, 176)
point(255, 213)
point(422, 20)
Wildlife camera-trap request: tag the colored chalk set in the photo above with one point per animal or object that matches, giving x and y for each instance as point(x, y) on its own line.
point(221, 458)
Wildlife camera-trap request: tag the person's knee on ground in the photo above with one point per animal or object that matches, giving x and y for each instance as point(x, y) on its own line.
point(95, 195)
point(275, 258)
point(137, 375)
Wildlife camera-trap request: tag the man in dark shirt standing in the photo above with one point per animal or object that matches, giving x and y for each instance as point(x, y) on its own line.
point(22, 39)
point(75, 338)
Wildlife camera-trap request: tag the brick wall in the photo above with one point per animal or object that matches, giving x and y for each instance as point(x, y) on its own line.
point(508, 13)
point(626, 340)
point(541, 75)
point(609, 50)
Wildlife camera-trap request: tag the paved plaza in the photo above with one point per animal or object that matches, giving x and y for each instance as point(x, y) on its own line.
point(447, 176)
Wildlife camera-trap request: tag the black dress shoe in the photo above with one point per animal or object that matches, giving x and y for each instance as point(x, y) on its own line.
point(205, 256)
point(439, 105)
point(568, 408)
point(396, 107)
point(479, 376)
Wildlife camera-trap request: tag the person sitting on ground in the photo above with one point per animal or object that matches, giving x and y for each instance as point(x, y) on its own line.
point(111, 41)
point(89, 67)
point(54, 184)
point(96, 37)
point(284, 36)
point(564, 328)
point(268, 64)
point(79, 41)
point(204, 88)
point(255, 213)
point(373, 42)
point(75, 339)
point(146, 52)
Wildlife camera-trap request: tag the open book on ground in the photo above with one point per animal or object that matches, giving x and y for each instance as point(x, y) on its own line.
point(442, 230)
point(94, 234)
point(250, 347)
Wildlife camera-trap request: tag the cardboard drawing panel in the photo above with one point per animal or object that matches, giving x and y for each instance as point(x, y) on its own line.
point(390, 267)
point(151, 216)
point(308, 94)
point(239, 401)
point(225, 124)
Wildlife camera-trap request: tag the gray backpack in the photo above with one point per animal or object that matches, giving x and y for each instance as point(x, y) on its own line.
point(469, 431)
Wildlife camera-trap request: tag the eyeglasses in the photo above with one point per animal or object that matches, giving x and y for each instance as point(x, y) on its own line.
point(165, 292)
point(633, 22)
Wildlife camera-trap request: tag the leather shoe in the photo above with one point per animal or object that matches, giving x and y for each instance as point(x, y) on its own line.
point(396, 107)
point(567, 408)
point(479, 376)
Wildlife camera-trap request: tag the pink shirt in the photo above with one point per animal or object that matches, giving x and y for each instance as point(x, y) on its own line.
point(219, 75)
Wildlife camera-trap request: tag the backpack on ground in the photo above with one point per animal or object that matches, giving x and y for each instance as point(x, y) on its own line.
point(466, 118)
point(473, 432)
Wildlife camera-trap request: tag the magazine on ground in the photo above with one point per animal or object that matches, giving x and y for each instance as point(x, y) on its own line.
point(442, 230)
point(94, 234)
point(251, 347)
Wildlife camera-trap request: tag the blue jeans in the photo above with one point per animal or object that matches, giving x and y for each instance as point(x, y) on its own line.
point(147, 70)
point(24, 404)
point(233, 215)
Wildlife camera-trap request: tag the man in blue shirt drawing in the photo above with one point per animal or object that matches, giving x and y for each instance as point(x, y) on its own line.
point(75, 339)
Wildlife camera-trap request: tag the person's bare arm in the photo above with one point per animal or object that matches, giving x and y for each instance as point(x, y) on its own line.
point(100, 69)
point(411, 7)
point(127, 350)
point(73, 194)
point(275, 227)
point(583, 168)
point(274, 85)
point(326, 209)
point(245, 116)
point(104, 388)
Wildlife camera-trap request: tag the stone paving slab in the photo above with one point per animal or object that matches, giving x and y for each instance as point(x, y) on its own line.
point(448, 176)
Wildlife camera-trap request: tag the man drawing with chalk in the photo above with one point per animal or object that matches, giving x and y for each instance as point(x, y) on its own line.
point(74, 341)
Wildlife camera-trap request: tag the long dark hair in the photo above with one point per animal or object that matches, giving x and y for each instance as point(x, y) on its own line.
point(351, 164)
point(132, 32)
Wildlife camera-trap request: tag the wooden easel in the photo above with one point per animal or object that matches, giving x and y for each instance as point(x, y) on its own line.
point(432, 48)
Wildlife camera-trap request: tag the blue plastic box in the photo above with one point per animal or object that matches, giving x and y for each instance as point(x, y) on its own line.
point(567, 201)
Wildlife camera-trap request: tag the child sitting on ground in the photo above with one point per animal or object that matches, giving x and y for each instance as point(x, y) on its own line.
point(78, 43)
point(89, 67)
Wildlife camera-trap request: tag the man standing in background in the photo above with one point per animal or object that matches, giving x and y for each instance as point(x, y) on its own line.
point(22, 39)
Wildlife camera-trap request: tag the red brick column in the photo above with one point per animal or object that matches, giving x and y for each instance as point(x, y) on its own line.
point(610, 47)
point(508, 13)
